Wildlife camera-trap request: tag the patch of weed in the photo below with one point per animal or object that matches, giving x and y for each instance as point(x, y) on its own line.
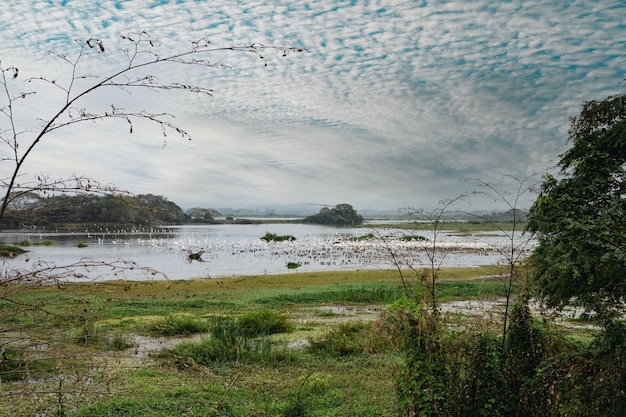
point(342, 340)
point(263, 323)
point(10, 251)
point(118, 342)
point(273, 237)
point(13, 367)
point(177, 325)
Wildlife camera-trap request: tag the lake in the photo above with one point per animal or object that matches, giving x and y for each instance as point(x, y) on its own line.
point(237, 250)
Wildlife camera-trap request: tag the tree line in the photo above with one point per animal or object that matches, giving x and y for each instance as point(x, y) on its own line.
point(32, 209)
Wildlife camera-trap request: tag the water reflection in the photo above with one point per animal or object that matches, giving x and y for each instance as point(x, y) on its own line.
point(234, 250)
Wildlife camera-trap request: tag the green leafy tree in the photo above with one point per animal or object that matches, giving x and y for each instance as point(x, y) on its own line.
point(340, 215)
point(580, 217)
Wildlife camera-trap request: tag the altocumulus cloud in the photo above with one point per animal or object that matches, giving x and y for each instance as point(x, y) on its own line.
point(391, 106)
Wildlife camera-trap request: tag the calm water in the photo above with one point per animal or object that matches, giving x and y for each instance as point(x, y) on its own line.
point(235, 250)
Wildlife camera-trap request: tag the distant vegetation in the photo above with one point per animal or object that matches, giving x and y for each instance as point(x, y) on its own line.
point(142, 209)
point(341, 215)
point(273, 237)
point(10, 251)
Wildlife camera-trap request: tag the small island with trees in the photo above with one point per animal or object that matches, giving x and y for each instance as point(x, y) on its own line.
point(340, 215)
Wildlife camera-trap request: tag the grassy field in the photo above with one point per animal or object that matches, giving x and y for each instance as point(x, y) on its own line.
point(314, 344)
point(460, 227)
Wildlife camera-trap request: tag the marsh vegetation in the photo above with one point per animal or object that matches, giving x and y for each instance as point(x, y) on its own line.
point(264, 345)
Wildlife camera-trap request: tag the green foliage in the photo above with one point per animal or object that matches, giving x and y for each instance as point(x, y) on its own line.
point(421, 382)
point(580, 218)
point(598, 376)
point(230, 339)
point(293, 265)
point(410, 238)
point(340, 215)
point(263, 323)
point(483, 380)
point(10, 251)
point(155, 407)
point(525, 349)
point(142, 209)
point(87, 334)
point(14, 367)
point(177, 325)
point(369, 236)
point(209, 351)
point(376, 292)
point(273, 237)
point(342, 340)
point(81, 245)
point(201, 215)
point(225, 343)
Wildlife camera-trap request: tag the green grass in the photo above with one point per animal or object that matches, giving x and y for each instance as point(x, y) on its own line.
point(177, 325)
point(458, 226)
point(240, 367)
point(10, 251)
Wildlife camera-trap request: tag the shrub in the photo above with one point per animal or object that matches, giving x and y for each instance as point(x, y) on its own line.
point(272, 237)
point(208, 351)
point(225, 343)
point(263, 323)
point(342, 340)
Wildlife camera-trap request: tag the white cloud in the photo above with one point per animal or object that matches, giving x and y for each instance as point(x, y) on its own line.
point(392, 104)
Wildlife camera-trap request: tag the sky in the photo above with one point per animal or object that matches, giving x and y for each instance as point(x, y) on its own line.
point(392, 104)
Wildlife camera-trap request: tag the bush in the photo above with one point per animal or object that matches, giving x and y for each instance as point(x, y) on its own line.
point(263, 323)
point(208, 351)
point(342, 340)
point(272, 237)
point(225, 343)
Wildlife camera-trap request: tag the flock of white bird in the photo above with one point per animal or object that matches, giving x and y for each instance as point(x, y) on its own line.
point(338, 252)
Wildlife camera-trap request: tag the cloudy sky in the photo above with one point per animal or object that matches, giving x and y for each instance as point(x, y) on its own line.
point(392, 104)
